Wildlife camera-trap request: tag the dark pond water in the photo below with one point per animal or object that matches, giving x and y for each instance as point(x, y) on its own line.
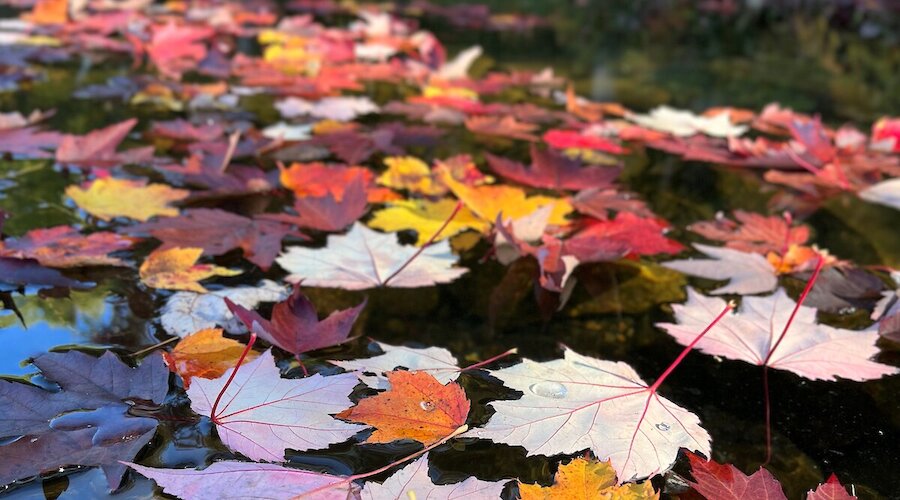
point(837, 59)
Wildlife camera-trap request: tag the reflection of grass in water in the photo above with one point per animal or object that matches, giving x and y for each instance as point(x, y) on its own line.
point(82, 310)
point(33, 197)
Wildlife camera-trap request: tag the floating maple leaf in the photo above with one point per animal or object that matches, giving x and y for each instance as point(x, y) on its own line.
point(364, 258)
point(552, 170)
point(503, 126)
point(64, 246)
point(437, 361)
point(262, 414)
point(416, 406)
point(295, 327)
point(748, 273)
point(216, 232)
point(175, 49)
point(723, 482)
point(585, 479)
point(752, 232)
point(599, 202)
point(344, 108)
point(810, 350)
point(205, 354)
point(832, 489)
point(426, 217)
point(86, 423)
point(18, 273)
point(247, 480)
point(188, 312)
point(110, 197)
point(328, 212)
point(177, 269)
point(98, 148)
point(413, 481)
point(885, 193)
point(684, 123)
point(640, 235)
point(579, 403)
point(564, 139)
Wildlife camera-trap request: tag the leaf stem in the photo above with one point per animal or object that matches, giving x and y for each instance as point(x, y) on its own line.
point(809, 284)
point(154, 347)
point(350, 479)
point(421, 249)
point(689, 347)
point(240, 361)
point(490, 360)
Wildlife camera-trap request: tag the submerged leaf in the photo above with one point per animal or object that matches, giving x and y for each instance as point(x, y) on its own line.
point(748, 273)
point(437, 361)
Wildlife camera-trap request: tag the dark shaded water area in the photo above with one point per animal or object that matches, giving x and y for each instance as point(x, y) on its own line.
point(833, 59)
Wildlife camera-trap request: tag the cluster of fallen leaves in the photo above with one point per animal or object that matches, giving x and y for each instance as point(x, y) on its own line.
point(343, 180)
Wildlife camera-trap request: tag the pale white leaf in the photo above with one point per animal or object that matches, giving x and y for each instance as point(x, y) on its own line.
point(748, 273)
point(459, 66)
point(261, 414)
point(682, 123)
point(809, 349)
point(581, 403)
point(437, 361)
point(189, 312)
point(885, 193)
point(364, 258)
point(413, 481)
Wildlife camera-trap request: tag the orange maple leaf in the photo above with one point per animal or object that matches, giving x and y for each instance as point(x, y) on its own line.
point(205, 354)
point(416, 407)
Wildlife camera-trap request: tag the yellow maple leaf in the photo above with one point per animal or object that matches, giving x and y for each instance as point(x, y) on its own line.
point(425, 217)
point(411, 174)
point(587, 479)
point(107, 198)
point(489, 201)
point(177, 269)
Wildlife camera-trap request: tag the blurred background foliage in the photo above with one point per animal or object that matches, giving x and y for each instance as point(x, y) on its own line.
point(838, 58)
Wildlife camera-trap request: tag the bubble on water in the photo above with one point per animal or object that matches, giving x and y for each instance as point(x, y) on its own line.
point(663, 426)
point(547, 389)
point(426, 405)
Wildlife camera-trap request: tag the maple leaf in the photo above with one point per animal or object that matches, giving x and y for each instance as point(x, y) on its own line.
point(586, 479)
point(217, 232)
point(490, 201)
point(175, 49)
point(64, 246)
point(316, 179)
point(564, 139)
point(188, 312)
point(413, 481)
point(17, 273)
point(247, 480)
point(205, 354)
point(364, 258)
point(579, 402)
point(86, 423)
point(503, 126)
point(552, 170)
point(328, 212)
point(295, 326)
point(262, 414)
point(183, 130)
point(411, 174)
point(641, 235)
point(436, 361)
point(343, 108)
point(416, 406)
point(811, 350)
point(684, 123)
point(30, 142)
point(748, 273)
point(885, 193)
point(426, 217)
point(831, 489)
point(723, 482)
point(598, 202)
point(110, 197)
point(177, 269)
point(98, 148)
point(753, 232)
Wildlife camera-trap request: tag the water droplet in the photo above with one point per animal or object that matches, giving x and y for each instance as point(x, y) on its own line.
point(663, 426)
point(426, 405)
point(547, 389)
